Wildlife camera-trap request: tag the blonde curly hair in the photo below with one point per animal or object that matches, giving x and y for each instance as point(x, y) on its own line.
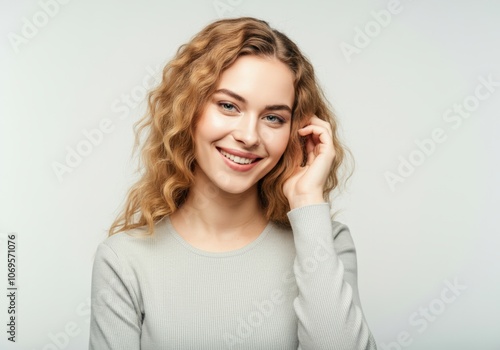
point(188, 81)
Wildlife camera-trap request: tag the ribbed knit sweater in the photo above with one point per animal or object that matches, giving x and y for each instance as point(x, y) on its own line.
point(287, 289)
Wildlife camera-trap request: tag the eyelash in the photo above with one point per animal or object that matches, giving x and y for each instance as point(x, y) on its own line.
point(278, 119)
point(222, 104)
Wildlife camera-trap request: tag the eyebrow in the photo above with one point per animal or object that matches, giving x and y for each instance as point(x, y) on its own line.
point(242, 100)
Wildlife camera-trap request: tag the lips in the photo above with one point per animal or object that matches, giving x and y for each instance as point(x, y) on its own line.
point(239, 157)
point(238, 160)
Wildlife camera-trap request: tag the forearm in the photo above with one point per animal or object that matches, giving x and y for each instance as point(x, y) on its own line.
point(327, 306)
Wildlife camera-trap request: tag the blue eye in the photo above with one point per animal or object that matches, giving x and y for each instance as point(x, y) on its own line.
point(274, 119)
point(227, 106)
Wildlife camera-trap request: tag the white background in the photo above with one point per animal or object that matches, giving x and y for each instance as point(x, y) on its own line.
point(438, 225)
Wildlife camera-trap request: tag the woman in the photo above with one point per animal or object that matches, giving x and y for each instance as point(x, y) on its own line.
point(226, 241)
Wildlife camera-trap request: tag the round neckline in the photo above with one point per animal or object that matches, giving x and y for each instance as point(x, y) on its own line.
point(207, 253)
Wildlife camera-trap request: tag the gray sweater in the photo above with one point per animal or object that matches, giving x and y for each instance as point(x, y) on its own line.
point(287, 289)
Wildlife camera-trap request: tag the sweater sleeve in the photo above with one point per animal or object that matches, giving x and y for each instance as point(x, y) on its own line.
point(328, 307)
point(115, 322)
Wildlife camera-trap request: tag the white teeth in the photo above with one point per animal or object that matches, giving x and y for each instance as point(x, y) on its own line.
point(236, 159)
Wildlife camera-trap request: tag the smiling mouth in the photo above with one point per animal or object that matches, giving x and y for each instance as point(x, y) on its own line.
point(238, 160)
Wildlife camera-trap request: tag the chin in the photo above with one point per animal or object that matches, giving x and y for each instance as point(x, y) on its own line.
point(240, 189)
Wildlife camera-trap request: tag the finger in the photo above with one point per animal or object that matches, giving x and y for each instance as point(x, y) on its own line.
point(310, 151)
point(314, 120)
point(320, 123)
point(320, 134)
point(318, 142)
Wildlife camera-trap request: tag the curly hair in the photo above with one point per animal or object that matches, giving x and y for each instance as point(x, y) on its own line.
point(188, 81)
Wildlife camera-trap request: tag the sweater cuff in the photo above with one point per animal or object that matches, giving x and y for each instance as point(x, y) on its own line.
point(312, 220)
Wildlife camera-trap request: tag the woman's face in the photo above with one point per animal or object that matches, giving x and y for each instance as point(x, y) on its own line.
point(245, 126)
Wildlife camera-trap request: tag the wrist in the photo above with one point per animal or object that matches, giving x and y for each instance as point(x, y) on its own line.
point(308, 199)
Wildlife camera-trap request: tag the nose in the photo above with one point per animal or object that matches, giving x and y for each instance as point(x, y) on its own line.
point(246, 130)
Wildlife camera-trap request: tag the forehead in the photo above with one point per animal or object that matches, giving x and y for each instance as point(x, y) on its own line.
point(260, 80)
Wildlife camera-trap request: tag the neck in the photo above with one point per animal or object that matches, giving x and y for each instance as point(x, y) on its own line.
point(221, 214)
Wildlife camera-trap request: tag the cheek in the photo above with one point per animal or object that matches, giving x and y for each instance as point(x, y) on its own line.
point(213, 125)
point(276, 140)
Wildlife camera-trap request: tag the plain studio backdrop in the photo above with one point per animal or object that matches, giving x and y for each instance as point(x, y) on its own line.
point(416, 87)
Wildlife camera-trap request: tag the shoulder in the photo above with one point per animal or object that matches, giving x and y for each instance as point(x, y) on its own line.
point(126, 244)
